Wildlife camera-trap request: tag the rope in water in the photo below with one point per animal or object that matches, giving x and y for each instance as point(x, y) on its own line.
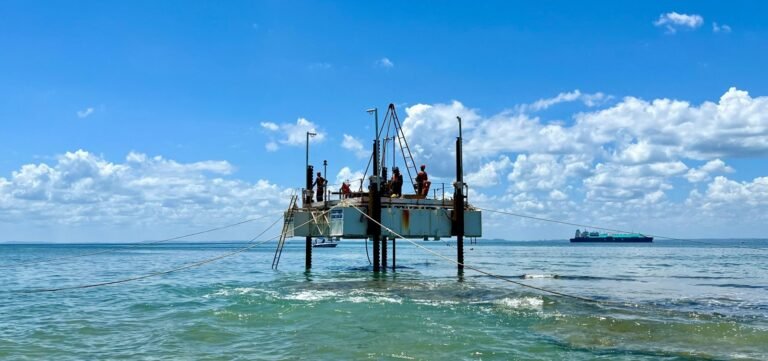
point(557, 293)
point(124, 246)
point(180, 268)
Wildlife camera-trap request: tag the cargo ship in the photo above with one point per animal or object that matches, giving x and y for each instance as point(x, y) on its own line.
point(610, 237)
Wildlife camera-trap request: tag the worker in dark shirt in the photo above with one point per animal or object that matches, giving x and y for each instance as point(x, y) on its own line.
point(320, 183)
point(422, 182)
point(396, 183)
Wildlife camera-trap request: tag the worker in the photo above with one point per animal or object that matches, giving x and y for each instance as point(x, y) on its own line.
point(320, 182)
point(422, 182)
point(345, 191)
point(396, 183)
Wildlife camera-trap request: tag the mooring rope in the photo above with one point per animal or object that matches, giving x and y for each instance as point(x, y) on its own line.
point(557, 293)
point(164, 272)
point(180, 268)
point(610, 229)
point(130, 245)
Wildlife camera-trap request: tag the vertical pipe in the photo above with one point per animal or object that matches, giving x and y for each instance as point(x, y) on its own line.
point(326, 193)
point(394, 252)
point(308, 200)
point(374, 209)
point(459, 203)
point(384, 253)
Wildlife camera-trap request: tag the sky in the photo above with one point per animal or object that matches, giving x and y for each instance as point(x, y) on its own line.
point(140, 120)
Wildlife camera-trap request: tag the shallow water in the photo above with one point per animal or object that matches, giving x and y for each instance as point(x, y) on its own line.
point(666, 300)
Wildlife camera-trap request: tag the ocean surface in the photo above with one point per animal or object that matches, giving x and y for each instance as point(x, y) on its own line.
point(669, 300)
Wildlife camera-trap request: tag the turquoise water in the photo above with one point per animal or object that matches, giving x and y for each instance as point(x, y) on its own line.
point(678, 301)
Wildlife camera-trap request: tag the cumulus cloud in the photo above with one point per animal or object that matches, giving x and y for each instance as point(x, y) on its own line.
point(674, 21)
point(735, 126)
point(353, 144)
point(385, 63)
point(490, 173)
point(629, 164)
point(354, 178)
point(292, 134)
point(704, 172)
point(606, 163)
point(723, 190)
point(82, 188)
point(85, 112)
point(589, 100)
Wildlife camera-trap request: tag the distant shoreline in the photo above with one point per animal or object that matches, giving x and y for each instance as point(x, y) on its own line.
point(495, 240)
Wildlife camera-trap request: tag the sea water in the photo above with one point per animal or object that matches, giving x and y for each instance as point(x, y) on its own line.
point(666, 300)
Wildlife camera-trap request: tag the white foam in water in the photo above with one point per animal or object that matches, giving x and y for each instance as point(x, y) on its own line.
point(521, 303)
point(352, 297)
point(311, 295)
point(224, 292)
point(534, 276)
point(435, 302)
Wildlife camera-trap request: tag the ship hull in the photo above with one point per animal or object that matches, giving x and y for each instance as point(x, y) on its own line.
point(612, 240)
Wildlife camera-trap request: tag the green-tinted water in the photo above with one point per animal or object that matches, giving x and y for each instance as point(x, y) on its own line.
point(683, 302)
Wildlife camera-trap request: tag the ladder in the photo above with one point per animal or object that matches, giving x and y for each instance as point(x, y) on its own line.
point(410, 164)
point(287, 230)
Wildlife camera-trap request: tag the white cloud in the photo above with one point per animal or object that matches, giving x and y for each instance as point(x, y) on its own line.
point(269, 126)
point(490, 173)
point(431, 132)
point(537, 172)
point(589, 100)
point(723, 189)
point(352, 144)
point(717, 28)
point(704, 172)
point(85, 112)
point(674, 21)
point(292, 134)
point(557, 195)
point(735, 126)
point(84, 189)
point(355, 178)
point(385, 63)
point(613, 165)
point(622, 165)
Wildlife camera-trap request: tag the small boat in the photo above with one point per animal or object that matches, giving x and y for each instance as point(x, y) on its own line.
point(597, 237)
point(324, 243)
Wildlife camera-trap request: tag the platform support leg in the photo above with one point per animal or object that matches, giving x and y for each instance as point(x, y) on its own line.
point(394, 253)
point(384, 253)
point(458, 206)
point(376, 254)
point(308, 253)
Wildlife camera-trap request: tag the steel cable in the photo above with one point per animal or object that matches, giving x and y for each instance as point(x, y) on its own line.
point(180, 268)
point(125, 246)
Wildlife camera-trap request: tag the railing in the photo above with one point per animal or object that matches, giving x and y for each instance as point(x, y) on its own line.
point(438, 190)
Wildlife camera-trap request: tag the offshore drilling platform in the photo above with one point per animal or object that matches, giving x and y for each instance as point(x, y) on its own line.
point(383, 213)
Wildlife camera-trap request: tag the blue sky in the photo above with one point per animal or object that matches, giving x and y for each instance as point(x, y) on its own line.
point(136, 120)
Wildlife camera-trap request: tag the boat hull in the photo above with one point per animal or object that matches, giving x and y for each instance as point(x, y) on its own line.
point(612, 240)
point(325, 245)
